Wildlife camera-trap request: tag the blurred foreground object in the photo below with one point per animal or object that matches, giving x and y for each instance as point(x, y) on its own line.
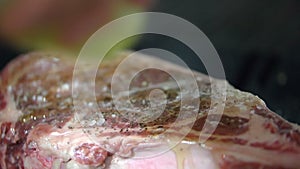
point(59, 25)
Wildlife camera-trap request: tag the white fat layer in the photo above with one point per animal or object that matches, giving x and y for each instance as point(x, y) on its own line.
point(10, 112)
point(199, 158)
point(61, 144)
point(32, 163)
point(183, 156)
point(58, 164)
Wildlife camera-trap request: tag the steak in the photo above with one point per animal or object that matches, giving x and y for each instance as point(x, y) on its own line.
point(49, 119)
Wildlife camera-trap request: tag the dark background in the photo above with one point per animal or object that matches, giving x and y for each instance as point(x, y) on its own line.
point(257, 41)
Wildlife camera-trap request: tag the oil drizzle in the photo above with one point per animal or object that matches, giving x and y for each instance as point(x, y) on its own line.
point(181, 152)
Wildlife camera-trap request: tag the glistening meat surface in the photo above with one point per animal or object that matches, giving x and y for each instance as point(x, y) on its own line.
point(41, 127)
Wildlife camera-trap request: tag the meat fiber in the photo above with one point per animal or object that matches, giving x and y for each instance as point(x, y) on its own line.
point(41, 127)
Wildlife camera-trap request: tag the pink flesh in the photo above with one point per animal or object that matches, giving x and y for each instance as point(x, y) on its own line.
point(40, 130)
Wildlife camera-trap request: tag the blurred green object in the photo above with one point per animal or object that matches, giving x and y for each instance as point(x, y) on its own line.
point(62, 26)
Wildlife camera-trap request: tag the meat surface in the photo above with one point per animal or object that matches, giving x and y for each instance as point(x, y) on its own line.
point(46, 124)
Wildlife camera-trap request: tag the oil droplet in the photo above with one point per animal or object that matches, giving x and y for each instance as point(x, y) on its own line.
point(144, 83)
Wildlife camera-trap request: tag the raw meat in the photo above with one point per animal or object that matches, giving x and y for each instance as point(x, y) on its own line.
point(41, 127)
